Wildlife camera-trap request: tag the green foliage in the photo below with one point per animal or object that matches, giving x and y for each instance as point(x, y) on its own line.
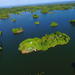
point(17, 30)
point(44, 11)
point(13, 20)
point(4, 12)
point(44, 43)
point(4, 16)
point(72, 22)
point(1, 48)
point(54, 24)
point(0, 32)
point(35, 16)
point(37, 22)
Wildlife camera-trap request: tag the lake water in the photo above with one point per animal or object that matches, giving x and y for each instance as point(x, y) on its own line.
point(55, 61)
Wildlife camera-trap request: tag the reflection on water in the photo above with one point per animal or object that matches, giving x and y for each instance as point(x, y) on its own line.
point(35, 73)
point(73, 66)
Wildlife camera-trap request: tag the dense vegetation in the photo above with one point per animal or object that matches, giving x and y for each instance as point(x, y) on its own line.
point(44, 11)
point(35, 16)
point(47, 41)
point(17, 30)
point(1, 48)
point(0, 37)
point(5, 12)
point(0, 32)
point(53, 24)
point(37, 22)
point(72, 22)
point(13, 20)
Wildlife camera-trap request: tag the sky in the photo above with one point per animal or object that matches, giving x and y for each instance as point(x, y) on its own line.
point(26, 2)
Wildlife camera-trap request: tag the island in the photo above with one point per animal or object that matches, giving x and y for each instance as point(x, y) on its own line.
point(42, 44)
point(44, 11)
point(35, 16)
point(0, 32)
point(13, 20)
point(72, 22)
point(53, 24)
point(17, 30)
point(37, 22)
point(4, 16)
point(1, 48)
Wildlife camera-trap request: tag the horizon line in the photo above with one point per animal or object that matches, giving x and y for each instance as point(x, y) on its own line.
point(37, 4)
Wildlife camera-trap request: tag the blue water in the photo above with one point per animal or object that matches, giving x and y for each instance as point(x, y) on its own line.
point(55, 61)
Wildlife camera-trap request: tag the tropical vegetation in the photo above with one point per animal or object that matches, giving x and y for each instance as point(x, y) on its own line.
point(53, 24)
point(37, 22)
point(42, 44)
point(0, 32)
point(72, 22)
point(17, 30)
point(5, 12)
point(35, 16)
point(13, 20)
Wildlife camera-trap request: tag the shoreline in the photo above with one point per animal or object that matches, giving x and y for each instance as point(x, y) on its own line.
point(5, 12)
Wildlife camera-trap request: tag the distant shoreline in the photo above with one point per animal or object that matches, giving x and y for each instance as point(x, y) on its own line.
point(63, 2)
point(45, 8)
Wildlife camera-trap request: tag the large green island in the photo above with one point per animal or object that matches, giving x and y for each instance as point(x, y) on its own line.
point(42, 44)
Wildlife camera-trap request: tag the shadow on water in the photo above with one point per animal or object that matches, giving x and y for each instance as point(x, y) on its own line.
point(1, 53)
point(73, 66)
point(73, 24)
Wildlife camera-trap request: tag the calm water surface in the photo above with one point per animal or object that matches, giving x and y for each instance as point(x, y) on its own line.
point(56, 61)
